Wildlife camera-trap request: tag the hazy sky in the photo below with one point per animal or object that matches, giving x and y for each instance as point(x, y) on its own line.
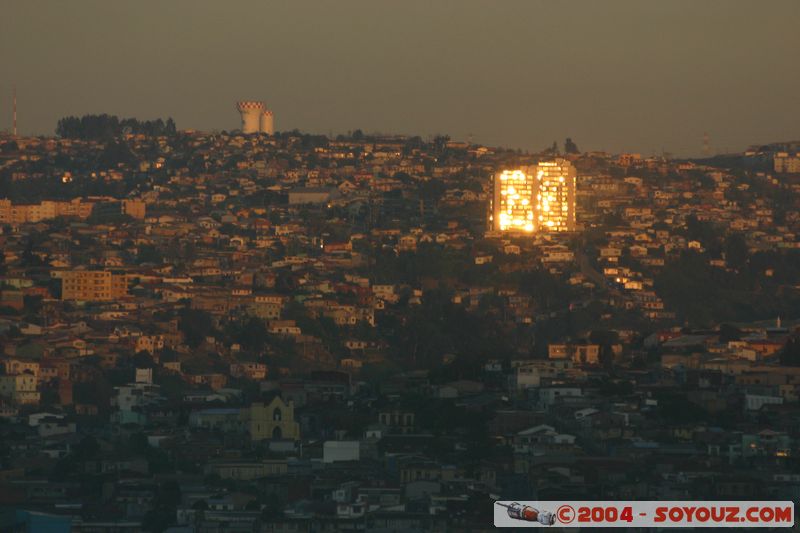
point(635, 75)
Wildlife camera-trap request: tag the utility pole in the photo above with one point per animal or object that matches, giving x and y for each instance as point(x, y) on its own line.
point(14, 122)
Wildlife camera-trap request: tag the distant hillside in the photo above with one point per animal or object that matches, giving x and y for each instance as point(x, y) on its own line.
point(756, 162)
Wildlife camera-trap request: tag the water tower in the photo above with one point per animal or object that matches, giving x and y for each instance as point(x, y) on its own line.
point(251, 111)
point(266, 125)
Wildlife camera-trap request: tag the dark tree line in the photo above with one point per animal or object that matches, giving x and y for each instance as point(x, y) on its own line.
point(104, 127)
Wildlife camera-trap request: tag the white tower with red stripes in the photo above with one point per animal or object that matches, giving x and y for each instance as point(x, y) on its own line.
point(255, 117)
point(266, 125)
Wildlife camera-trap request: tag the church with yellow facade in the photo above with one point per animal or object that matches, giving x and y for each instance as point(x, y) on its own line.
point(272, 421)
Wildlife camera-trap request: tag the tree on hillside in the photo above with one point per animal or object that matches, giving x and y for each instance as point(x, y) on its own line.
point(736, 251)
point(570, 147)
point(790, 355)
point(195, 324)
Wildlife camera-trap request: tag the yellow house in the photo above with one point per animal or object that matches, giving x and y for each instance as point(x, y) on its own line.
point(21, 389)
point(274, 420)
point(17, 366)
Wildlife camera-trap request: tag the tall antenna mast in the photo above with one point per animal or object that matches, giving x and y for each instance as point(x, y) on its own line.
point(706, 145)
point(15, 111)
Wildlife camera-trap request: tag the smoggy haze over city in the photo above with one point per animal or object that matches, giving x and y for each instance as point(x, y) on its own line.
point(613, 75)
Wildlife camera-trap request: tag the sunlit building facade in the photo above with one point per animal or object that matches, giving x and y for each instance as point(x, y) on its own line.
point(555, 196)
point(535, 198)
point(513, 208)
point(92, 285)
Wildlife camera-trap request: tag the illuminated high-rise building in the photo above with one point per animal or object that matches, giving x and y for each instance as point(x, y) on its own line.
point(512, 206)
point(535, 198)
point(555, 196)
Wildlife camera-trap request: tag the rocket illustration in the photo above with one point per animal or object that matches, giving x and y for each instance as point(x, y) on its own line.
point(529, 514)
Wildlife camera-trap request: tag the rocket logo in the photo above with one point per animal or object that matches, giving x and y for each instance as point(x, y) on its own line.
point(527, 513)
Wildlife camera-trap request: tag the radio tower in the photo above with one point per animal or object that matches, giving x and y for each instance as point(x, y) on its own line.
point(706, 145)
point(14, 122)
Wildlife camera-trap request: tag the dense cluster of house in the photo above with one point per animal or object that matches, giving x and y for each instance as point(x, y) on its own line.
point(202, 333)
